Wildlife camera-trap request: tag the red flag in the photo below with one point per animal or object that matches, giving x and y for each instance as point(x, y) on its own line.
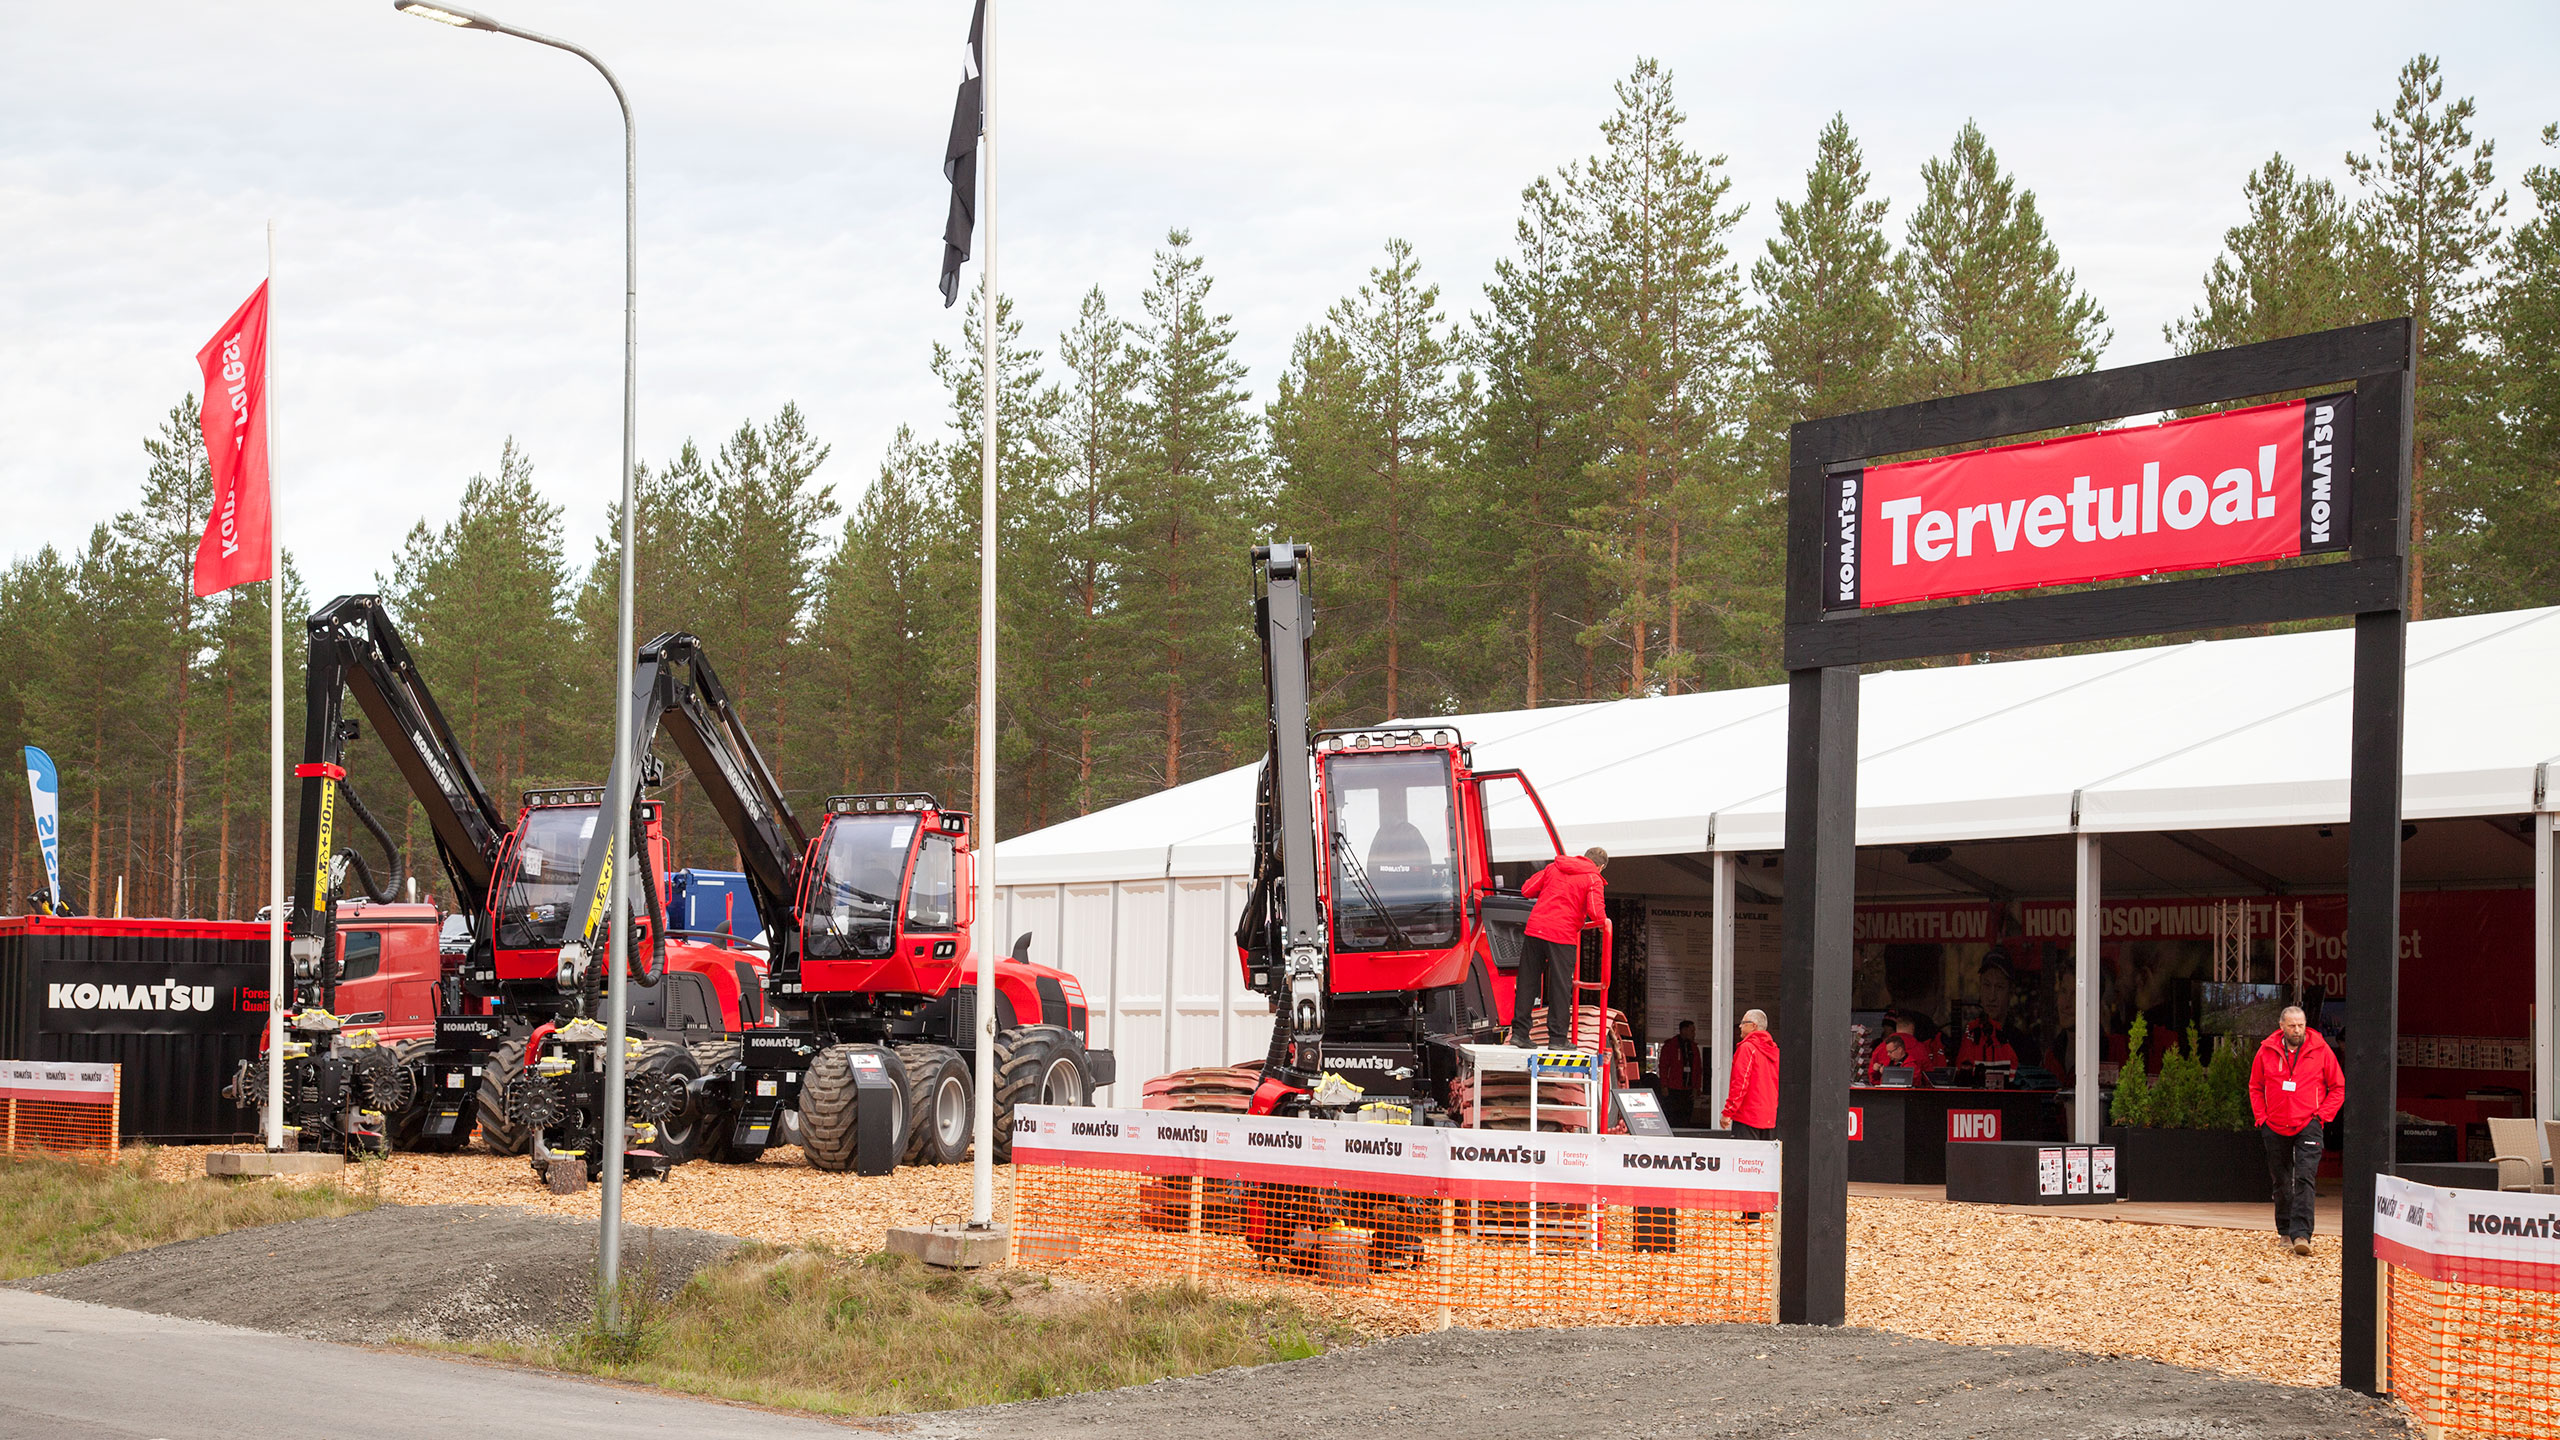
point(236, 546)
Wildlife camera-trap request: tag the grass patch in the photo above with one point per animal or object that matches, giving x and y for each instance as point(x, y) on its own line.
point(880, 1334)
point(65, 1213)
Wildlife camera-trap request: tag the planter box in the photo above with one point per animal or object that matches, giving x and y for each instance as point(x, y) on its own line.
point(2189, 1165)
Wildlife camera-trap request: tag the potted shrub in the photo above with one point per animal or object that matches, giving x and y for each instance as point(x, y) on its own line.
point(2185, 1134)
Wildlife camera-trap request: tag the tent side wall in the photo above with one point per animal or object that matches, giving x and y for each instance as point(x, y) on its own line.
point(1157, 961)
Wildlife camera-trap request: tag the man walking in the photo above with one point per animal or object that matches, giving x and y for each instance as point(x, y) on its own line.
point(2295, 1089)
point(1751, 1097)
point(1680, 1074)
point(1569, 894)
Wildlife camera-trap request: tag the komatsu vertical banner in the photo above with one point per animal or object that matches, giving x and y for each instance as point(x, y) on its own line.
point(2265, 483)
point(44, 787)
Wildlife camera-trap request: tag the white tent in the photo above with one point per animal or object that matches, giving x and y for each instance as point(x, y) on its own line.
point(1139, 901)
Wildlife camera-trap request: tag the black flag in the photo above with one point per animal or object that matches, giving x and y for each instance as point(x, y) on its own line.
point(960, 158)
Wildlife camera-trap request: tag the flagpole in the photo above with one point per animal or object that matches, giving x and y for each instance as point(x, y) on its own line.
point(982, 1178)
point(275, 723)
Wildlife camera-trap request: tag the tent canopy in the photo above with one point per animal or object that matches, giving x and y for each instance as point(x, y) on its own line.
point(2197, 736)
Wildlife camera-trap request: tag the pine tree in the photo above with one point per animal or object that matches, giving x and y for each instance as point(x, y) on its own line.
point(2510, 557)
point(1982, 288)
point(2296, 265)
point(1664, 335)
point(2434, 220)
point(1096, 434)
point(1359, 435)
point(161, 536)
point(885, 649)
point(1193, 497)
point(751, 561)
point(1826, 326)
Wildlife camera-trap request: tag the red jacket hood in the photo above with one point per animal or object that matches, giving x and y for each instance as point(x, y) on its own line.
point(1761, 1040)
point(1565, 865)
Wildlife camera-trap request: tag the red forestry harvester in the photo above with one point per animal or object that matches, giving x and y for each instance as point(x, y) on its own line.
point(1376, 923)
point(870, 926)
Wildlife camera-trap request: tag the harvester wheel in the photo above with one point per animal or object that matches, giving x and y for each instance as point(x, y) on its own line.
point(941, 1105)
point(500, 1134)
point(657, 1086)
point(405, 1125)
point(1037, 1065)
point(829, 1101)
point(713, 1057)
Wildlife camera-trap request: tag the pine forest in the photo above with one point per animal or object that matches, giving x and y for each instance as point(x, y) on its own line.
point(1567, 488)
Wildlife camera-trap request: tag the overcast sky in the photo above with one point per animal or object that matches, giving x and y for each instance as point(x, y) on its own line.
point(450, 221)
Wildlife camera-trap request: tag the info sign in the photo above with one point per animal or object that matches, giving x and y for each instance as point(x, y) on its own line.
point(2265, 483)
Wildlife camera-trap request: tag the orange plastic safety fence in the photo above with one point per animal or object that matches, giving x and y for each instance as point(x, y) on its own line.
point(2476, 1360)
point(1493, 1263)
point(57, 1127)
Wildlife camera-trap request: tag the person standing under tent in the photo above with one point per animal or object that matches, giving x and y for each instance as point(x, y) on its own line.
point(2295, 1089)
point(1681, 1074)
point(1569, 894)
point(1751, 1098)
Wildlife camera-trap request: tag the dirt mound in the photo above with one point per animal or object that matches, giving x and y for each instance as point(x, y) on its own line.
point(429, 1272)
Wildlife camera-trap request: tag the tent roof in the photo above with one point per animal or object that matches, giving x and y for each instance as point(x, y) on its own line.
point(2202, 735)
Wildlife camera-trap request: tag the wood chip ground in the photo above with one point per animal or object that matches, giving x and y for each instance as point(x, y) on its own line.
point(2231, 1300)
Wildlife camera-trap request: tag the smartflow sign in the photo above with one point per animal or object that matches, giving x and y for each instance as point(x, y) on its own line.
point(44, 786)
point(2265, 483)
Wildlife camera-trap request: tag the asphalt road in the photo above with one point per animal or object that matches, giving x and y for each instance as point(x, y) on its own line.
point(73, 1371)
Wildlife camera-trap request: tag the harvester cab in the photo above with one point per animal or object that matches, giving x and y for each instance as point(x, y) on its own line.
point(1377, 923)
point(365, 983)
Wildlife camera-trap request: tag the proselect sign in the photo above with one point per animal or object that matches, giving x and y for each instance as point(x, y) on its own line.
point(2265, 483)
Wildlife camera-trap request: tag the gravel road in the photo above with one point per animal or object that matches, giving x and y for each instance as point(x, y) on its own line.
point(1723, 1381)
point(427, 1272)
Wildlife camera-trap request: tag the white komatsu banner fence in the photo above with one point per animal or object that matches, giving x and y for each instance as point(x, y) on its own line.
point(2505, 1239)
point(1420, 1161)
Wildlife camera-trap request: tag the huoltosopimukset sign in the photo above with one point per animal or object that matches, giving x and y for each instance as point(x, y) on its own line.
point(2264, 483)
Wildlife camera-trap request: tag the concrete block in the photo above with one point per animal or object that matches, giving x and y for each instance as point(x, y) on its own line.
point(260, 1162)
point(952, 1247)
point(566, 1175)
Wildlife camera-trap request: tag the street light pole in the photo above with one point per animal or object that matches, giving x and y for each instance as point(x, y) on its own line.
point(619, 781)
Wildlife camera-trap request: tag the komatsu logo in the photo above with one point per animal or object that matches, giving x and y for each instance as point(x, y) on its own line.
point(1358, 1062)
point(2527, 1227)
point(1639, 1160)
point(1269, 1141)
point(1183, 1134)
point(1107, 1128)
point(1358, 1146)
point(167, 995)
point(1498, 1154)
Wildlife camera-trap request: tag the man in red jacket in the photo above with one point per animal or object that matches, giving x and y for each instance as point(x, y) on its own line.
point(1751, 1098)
point(1569, 894)
point(1679, 1072)
point(2295, 1088)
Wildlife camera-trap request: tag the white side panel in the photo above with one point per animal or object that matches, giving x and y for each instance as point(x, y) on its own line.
point(1034, 910)
point(1249, 1015)
point(1203, 962)
point(1142, 1025)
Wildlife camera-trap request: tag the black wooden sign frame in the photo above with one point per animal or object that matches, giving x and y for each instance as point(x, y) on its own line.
point(1823, 653)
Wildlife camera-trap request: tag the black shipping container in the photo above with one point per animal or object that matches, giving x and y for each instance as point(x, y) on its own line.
point(178, 1003)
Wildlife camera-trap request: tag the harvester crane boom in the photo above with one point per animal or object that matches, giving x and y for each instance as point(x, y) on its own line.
point(355, 649)
point(1284, 614)
point(682, 695)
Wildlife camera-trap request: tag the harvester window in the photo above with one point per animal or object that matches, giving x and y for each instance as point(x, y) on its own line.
point(1394, 881)
point(535, 909)
point(855, 908)
point(933, 898)
point(359, 955)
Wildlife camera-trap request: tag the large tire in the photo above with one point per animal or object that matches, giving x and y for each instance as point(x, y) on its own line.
point(657, 1086)
point(942, 1107)
point(711, 1056)
point(1037, 1065)
point(827, 1105)
point(498, 1134)
point(405, 1126)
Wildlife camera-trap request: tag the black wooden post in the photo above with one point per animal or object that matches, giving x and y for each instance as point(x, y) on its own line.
point(1813, 1004)
point(2385, 426)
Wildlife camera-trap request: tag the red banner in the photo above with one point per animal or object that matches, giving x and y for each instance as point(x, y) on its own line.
point(2265, 483)
point(235, 547)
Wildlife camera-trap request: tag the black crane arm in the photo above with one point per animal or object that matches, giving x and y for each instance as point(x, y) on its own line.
point(355, 649)
point(1284, 614)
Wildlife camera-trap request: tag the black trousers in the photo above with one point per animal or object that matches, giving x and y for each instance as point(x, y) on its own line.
point(1553, 962)
point(2293, 1164)
point(1680, 1106)
point(1754, 1132)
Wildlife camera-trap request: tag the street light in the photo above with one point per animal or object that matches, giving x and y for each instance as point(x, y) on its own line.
point(618, 784)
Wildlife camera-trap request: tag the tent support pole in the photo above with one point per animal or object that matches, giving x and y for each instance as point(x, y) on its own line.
point(2085, 1115)
point(1720, 1007)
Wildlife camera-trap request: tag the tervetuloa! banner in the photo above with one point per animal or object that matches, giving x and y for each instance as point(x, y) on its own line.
point(2265, 483)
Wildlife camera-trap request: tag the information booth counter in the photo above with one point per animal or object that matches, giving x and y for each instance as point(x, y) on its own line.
point(1899, 1136)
